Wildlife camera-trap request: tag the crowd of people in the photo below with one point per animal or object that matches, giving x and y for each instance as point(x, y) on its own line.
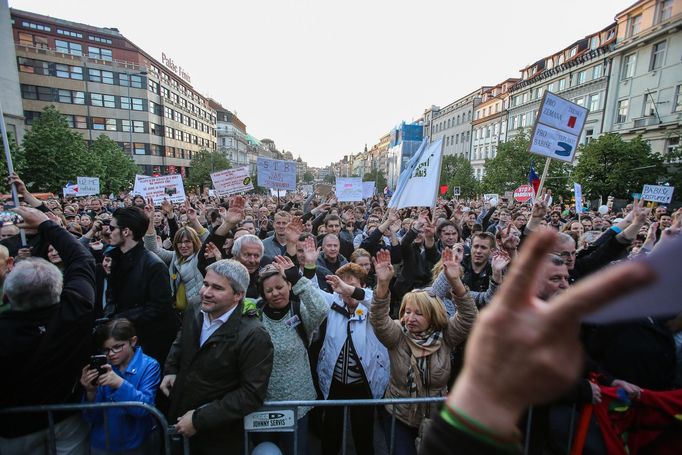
point(222, 304)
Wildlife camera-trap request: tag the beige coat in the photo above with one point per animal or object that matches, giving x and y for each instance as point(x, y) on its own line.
point(390, 334)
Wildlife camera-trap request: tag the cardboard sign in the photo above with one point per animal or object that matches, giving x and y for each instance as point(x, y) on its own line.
point(168, 187)
point(232, 181)
point(349, 189)
point(277, 174)
point(658, 193)
point(554, 143)
point(271, 420)
point(88, 186)
point(524, 193)
point(368, 189)
point(578, 193)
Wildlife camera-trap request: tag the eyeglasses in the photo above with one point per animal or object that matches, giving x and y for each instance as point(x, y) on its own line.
point(115, 349)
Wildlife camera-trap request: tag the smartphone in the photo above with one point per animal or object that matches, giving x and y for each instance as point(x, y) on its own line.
point(97, 362)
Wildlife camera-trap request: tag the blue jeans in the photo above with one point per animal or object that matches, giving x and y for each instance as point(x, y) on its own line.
point(403, 436)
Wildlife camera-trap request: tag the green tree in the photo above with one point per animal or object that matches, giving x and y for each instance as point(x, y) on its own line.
point(456, 170)
point(610, 166)
point(673, 162)
point(511, 165)
point(330, 178)
point(308, 177)
point(117, 169)
point(18, 160)
point(203, 164)
point(55, 154)
point(377, 176)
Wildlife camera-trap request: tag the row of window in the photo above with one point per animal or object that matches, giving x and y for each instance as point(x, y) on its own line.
point(482, 153)
point(664, 11)
point(453, 121)
point(650, 107)
point(452, 140)
point(490, 130)
point(656, 60)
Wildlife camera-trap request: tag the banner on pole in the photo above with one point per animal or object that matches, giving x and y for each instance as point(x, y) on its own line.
point(558, 128)
point(349, 189)
point(276, 174)
point(658, 193)
point(232, 181)
point(168, 187)
point(87, 186)
point(418, 183)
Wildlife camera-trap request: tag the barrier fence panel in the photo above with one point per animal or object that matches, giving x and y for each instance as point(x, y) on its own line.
point(50, 410)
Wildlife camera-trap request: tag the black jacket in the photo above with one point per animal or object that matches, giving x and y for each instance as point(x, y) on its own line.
point(141, 292)
point(223, 380)
point(43, 350)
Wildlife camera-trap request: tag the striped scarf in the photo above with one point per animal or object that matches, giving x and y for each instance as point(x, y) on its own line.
point(422, 345)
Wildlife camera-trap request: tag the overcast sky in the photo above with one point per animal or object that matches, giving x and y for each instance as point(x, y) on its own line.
point(323, 78)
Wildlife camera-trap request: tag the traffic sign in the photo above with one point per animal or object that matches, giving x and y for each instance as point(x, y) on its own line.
point(523, 193)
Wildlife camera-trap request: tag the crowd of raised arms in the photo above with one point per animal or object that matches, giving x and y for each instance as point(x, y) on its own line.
point(209, 307)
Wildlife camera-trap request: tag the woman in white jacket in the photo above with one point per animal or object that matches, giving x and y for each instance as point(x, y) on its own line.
point(352, 363)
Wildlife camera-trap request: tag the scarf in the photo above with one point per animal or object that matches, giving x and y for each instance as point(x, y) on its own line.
point(422, 345)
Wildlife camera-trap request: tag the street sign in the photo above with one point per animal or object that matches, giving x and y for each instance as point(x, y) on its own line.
point(524, 193)
point(275, 420)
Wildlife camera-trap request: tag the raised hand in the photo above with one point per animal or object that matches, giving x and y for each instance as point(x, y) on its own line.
point(451, 259)
point(167, 208)
point(293, 230)
point(310, 251)
point(282, 263)
point(383, 267)
point(500, 260)
point(236, 211)
point(32, 217)
point(212, 251)
point(339, 286)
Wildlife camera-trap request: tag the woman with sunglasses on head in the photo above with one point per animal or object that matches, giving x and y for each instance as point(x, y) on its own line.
point(290, 324)
point(419, 344)
point(128, 375)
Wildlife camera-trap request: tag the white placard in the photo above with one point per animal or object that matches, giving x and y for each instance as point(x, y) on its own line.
point(578, 194)
point(274, 420)
point(349, 189)
point(278, 193)
point(554, 143)
point(562, 114)
point(276, 174)
point(232, 181)
point(492, 198)
point(658, 193)
point(307, 189)
point(368, 189)
point(88, 186)
point(159, 188)
point(70, 190)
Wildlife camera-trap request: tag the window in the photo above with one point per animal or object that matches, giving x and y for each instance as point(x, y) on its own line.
point(69, 72)
point(136, 81)
point(34, 26)
point(594, 42)
point(61, 31)
point(100, 53)
point(125, 126)
point(596, 72)
point(29, 39)
point(139, 148)
point(550, 87)
point(562, 84)
point(622, 116)
point(125, 102)
point(138, 104)
point(111, 124)
point(523, 120)
point(629, 62)
point(97, 99)
point(664, 10)
point(677, 102)
point(47, 94)
point(99, 39)
point(594, 102)
point(672, 143)
point(78, 97)
point(29, 92)
point(106, 77)
point(98, 123)
point(110, 101)
point(155, 129)
point(68, 47)
point(634, 24)
point(580, 101)
point(80, 122)
point(657, 55)
point(64, 96)
point(153, 87)
point(588, 136)
point(649, 106)
point(572, 52)
point(581, 77)
point(138, 126)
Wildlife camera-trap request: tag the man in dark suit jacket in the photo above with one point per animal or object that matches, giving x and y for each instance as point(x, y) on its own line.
point(219, 366)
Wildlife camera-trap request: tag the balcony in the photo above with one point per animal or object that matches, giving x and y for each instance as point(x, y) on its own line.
point(645, 121)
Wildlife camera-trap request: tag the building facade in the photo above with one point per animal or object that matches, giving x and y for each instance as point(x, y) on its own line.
point(232, 140)
point(10, 95)
point(489, 125)
point(645, 88)
point(105, 84)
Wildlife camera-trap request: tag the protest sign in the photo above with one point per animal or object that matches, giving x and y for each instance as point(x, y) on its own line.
point(278, 193)
point(524, 193)
point(70, 190)
point(323, 189)
point(418, 182)
point(349, 189)
point(456, 191)
point(553, 143)
point(276, 174)
point(491, 198)
point(88, 186)
point(307, 189)
point(159, 188)
point(232, 181)
point(658, 193)
point(561, 114)
point(368, 190)
point(578, 193)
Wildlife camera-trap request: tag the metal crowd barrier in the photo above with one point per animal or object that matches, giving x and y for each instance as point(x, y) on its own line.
point(163, 427)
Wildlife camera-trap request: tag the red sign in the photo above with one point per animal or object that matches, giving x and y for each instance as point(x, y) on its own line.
point(443, 189)
point(523, 193)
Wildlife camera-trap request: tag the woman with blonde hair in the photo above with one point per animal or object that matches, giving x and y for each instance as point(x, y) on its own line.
point(419, 344)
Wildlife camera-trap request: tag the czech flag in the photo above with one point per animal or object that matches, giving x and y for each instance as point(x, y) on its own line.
point(533, 179)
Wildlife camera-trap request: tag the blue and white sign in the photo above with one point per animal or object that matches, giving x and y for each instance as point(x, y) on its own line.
point(558, 128)
point(88, 186)
point(368, 189)
point(554, 143)
point(276, 174)
point(578, 193)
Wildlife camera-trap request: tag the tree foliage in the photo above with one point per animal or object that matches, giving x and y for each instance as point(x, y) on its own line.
point(456, 170)
point(203, 164)
point(511, 165)
point(377, 176)
point(610, 166)
point(55, 155)
point(117, 169)
point(330, 178)
point(674, 166)
point(308, 177)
